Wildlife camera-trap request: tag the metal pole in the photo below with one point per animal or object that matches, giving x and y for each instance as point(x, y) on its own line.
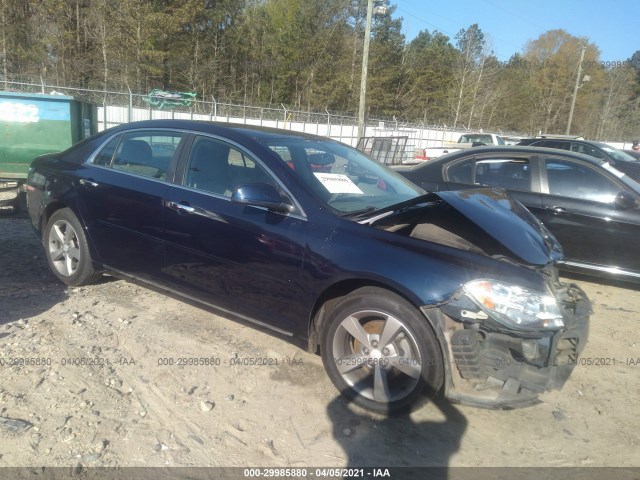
point(328, 123)
point(104, 114)
point(365, 65)
point(130, 113)
point(575, 90)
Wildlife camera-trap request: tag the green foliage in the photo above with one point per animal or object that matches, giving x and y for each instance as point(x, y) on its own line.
point(387, 70)
point(431, 77)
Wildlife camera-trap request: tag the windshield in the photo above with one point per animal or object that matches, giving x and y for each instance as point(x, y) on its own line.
point(342, 177)
point(616, 154)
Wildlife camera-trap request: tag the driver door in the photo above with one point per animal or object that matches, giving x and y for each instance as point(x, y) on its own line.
point(579, 207)
point(244, 259)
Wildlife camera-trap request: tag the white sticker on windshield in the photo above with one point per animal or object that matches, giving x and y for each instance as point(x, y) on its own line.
point(612, 169)
point(336, 183)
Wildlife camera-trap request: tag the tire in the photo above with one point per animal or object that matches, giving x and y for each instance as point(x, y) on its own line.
point(67, 250)
point(20, 203)
point(384, 378)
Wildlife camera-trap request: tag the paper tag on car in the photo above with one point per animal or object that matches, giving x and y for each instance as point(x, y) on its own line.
point(336, 183)
point(612, 169)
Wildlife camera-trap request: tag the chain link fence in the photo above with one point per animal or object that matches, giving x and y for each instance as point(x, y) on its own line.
point(118, 107)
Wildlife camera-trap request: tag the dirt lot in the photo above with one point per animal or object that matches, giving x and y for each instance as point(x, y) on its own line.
point(133, 408)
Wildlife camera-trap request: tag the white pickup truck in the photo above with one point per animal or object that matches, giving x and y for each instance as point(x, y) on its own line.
point(466, 140)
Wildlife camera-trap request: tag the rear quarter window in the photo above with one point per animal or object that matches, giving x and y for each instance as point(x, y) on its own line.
point(461, 172)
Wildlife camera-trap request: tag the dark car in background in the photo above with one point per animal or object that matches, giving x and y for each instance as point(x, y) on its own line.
point(633, 153)
point(618, 158)
point(400, 291)
point(589, 206)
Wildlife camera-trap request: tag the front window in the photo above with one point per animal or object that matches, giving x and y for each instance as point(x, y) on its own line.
point(617, 154)
point(217, 167)
point(570, 179)
point(342, 177)
point(586, 150)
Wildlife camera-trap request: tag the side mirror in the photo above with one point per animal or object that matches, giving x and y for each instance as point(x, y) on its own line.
point(625, 200)
point(261, 195)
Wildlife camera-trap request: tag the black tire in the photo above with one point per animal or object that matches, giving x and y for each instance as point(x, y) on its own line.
point(67, 250)
point(373, 376)
point(20, 203)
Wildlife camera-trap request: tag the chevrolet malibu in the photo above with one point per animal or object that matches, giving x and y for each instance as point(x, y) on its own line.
point(403, 293)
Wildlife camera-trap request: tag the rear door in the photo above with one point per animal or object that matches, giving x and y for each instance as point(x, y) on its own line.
point(243, 259)
point(120, 199)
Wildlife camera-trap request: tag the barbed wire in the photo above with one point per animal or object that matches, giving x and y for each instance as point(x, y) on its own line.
point(112, 97)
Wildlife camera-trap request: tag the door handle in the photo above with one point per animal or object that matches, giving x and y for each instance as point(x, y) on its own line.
point(180, 207)
point(88, 182)
point(556, 210)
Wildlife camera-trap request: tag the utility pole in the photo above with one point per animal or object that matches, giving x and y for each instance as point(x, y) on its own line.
point(575, 90)
point(365, 65)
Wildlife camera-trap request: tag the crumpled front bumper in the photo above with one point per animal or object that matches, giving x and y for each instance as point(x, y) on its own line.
point(502, 368)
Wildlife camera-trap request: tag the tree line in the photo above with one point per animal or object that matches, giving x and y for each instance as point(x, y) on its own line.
point(306, 54)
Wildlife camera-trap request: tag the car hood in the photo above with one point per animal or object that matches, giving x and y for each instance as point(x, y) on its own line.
point(501, 219)
point(507, 221)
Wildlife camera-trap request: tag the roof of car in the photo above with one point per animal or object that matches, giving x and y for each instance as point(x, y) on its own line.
point(508, 149)
point(253, 131)
point(563, 139)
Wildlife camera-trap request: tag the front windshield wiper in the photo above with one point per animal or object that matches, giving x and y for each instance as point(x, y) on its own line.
point(396, 207)
point(363, 212)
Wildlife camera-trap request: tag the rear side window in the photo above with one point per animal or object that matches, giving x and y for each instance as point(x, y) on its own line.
point(461, 172)
point(105, 155)
point(147, 153)
point(509, 173)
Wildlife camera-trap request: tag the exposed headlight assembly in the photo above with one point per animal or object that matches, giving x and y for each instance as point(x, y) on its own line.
point(515, 307)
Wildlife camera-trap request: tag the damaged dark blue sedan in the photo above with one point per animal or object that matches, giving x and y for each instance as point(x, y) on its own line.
point(403, 293)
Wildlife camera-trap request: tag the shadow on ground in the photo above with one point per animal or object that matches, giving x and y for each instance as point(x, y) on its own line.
point(27, 287)
point(398, 441)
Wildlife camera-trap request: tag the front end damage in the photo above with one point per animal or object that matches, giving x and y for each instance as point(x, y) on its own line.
point(490, 365)
point(512, 330)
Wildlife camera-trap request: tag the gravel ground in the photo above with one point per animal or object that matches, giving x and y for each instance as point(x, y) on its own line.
point(99, 388)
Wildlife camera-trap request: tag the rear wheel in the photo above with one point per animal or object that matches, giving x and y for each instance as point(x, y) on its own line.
point(67, 250)
point(380, 352)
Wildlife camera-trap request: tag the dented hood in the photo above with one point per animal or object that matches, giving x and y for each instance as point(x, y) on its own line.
point(507, 221)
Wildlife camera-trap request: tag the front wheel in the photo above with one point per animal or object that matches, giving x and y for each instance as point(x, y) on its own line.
point(380, 352)
point(67, 249)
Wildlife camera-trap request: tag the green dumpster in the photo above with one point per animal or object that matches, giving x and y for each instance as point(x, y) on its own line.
point(35, 124)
